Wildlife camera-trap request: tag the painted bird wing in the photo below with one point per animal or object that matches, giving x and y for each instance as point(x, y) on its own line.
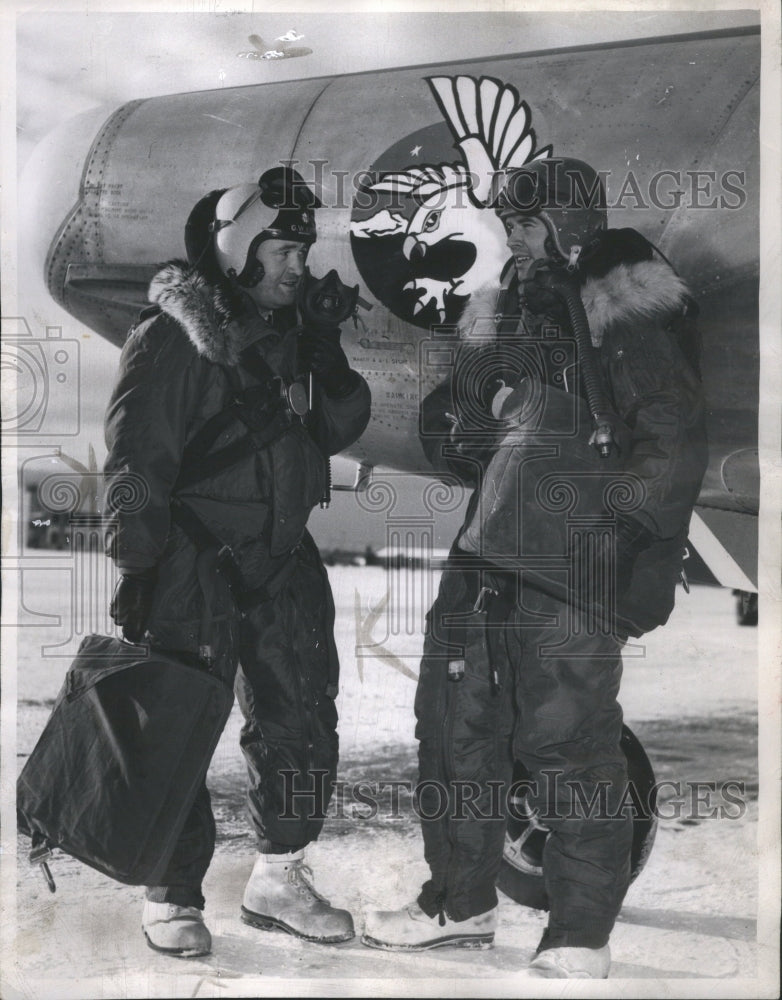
point(491, 123)
point(422, 180)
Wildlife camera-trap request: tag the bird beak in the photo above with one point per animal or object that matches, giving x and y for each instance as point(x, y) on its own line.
point(413, 248)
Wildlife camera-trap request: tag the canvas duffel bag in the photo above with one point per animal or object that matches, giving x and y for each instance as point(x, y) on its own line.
point(115, 772)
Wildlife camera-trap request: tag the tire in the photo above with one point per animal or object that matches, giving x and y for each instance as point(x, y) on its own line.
point(521, 872)
point(746, 607)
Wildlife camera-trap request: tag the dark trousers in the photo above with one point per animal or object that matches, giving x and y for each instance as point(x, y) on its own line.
point(286, 685)
point(537, 687)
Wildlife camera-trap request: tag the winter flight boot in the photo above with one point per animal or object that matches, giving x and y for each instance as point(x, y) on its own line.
point(410, 929)
point(280, 894)
point(175, 930)
point(571, 963)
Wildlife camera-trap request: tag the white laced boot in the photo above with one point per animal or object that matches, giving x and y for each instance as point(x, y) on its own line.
point(410, 929)
point(280, 894)
point(175, 930)
point(571, 963)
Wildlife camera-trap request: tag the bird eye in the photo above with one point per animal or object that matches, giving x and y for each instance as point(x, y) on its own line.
point(431, 222)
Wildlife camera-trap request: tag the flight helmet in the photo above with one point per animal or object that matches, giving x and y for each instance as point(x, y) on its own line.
point(279, 207)
point(566, 194)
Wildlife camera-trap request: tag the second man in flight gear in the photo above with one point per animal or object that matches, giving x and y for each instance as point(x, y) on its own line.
point(523, 663)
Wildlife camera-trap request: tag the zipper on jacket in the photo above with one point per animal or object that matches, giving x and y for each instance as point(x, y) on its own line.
point(623, 374)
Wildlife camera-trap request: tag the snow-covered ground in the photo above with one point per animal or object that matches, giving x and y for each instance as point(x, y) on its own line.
point(689, 926)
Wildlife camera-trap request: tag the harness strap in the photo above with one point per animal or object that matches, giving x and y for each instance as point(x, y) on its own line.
point(205, 565)
point(253, 363)
point(204, 539)
point(263, 427)
point(202, 468)
point(199, 466)
point(206, 436)
point(264, 593)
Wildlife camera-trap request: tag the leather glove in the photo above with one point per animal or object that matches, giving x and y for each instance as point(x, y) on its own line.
point(632, 535)
point(132, 603)
point(320, 352)
point(631, 539)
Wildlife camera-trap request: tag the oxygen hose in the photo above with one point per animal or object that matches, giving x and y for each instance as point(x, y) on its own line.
point(565, 287)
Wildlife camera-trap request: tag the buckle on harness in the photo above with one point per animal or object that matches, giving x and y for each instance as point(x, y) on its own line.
point(480, 600)
point(224, 555)
point(41, 854)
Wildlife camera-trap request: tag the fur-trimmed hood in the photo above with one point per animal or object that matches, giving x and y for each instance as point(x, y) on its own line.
point(628, 293)
point(200, 308)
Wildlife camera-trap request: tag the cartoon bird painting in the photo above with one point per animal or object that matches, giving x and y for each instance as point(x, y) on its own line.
point(283, 50)
point(453, 245)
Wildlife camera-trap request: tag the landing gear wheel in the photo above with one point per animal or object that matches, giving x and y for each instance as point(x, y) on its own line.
point(521, 872)
point(746, 607)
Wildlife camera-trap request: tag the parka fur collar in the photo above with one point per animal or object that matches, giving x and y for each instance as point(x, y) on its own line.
point(200, 308)
point(628, 293)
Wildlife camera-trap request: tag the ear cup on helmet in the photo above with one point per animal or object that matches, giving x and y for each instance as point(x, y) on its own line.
point(253, 271)
point(199, 244)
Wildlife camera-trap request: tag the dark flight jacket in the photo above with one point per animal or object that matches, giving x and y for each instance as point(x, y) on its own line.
point(635, 314)
point(179, 368)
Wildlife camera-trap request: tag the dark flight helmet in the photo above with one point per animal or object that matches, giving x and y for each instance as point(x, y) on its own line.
point(566, 194)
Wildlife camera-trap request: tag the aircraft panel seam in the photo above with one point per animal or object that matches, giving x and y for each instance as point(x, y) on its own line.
point(308, 113)
point(743, 91)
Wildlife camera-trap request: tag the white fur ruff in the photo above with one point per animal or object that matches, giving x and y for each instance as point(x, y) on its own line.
point(628, 293)
point(199, 308)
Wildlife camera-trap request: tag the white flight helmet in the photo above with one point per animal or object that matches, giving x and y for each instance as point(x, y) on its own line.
point(279, 207)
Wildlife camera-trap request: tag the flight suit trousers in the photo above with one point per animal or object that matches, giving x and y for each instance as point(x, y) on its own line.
point(535, 686)
point(286, 687)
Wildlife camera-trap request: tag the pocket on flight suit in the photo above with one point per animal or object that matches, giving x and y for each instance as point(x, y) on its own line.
point(480, 715)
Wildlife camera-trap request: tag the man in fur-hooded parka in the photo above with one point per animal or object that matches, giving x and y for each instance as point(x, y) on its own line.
point(214, 335)
point(514, 669)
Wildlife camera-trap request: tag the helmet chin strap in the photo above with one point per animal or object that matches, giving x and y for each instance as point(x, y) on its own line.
point(553, 244)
